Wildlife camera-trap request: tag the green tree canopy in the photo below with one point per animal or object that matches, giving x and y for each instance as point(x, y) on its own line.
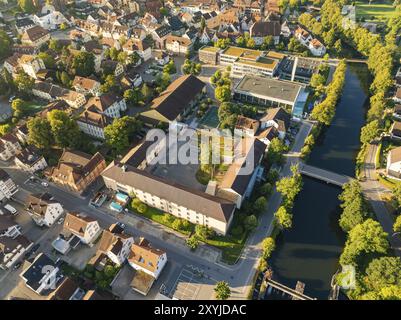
point(39, 133)
point(83, 64)
point(65, 130)
point(222, 290)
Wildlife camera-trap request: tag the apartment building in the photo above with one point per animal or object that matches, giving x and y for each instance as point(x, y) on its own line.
point(9, 228)
point(30, 160)
point(86, 86)
point(77, 170)
point(31, 65)
point(9, 146)
point(12, 250)
point(35, 36)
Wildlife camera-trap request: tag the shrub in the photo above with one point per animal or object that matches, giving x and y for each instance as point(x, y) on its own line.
point(266, 189)
point(260, 204)
point(204, 232)
point(168, 219)
point(135, 203)
point(192, 242)
point(237, 231)
point(250, 223)
point(142, 208)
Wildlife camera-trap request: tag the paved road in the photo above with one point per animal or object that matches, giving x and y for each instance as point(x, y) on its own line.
point(372, 190)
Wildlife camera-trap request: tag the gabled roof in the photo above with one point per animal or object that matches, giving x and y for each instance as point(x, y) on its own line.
point(37, 203)
point(103, 102)
point(265, 28)
point(76, 223)
point(280, 116)
point(211, 206)
point(35, 33)
point(144, 255)
point(176, 97)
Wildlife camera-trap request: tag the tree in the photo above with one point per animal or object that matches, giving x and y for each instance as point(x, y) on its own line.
point(283, 218)
point(275, 151)
point(317, 80)
point(365, 238)
point(142, 208)
point(397, 224)
point(222, 290)
point(383, 272)
point(65, 79)
point(18, 108)
point(204, 232)
point(5, 45)
point(266, 189)
point(170, 67)
point(27, 6)
point(119, 132)
point(250, 223)
point(369, 131)
point(222, 43)
point(260, 204)
point(191, 67)
point(223, 93)
point(132, 96)
point(65, 130)
point(39, 133)
point(109, 85)
point(397, 194)
point(289, 187)
point(146, 92)
point(192, 242)
point(268, 246)
point(24, 83)
point(268, 42)
point(83, 64)
point(48, 60)
point(250, 43)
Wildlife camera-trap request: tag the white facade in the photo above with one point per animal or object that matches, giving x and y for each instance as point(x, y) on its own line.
point(38, 165)
point(92, 130)
point(9, 258)
point(53, 212)
point(51, 21)
point(32, 66)
point(160, 265)
point(8, 149)
point(123, 254)
point(7, 188)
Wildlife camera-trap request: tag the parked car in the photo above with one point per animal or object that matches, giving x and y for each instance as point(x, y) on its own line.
point(17, 265)
point(44, 184)
point(60, 221)
point(11, 99)
point(11, 209)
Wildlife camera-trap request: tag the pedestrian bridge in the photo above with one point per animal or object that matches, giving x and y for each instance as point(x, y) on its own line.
point(296, 294)
point(324, 175)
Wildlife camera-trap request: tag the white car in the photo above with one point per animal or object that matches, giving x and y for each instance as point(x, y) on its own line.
point(60, 221)
point(45, 184)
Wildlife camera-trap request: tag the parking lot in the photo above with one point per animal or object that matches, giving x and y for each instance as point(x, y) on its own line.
point(189, 283)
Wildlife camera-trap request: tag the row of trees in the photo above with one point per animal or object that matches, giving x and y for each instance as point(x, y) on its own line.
point(354, 206)
point(324, 111)
point(289, 187)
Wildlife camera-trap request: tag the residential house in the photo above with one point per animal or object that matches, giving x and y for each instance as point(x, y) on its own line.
point(313, 44)
point(317, 48)
point(175, 102)
point(161, 57)
point(43, 275)
point(278, 118)
point(93, 123)
point(86, 86)
point(35, 36)
point(395, 131)
point(145, 258)
point(83, 227)
point(51, 92)
point(11, 64)
point(30, 160)
point(44, 209)
point(393, 166)
point(67, 290)
point(9, 228)
point(12, 250)
point(23, 24)
point(262, 29)
point(397, 96)
point(51, 20)
point(160, 35)
point(31, 65)
point(115, 244)
point(112, 67)
point(77, 170)
point(176, 25)
point(140, 47)
point(7, 186)
point(109, 104)
point(179, 45)
point(9, 146)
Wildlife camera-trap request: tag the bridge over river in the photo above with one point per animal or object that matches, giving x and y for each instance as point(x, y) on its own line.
point(324, 175)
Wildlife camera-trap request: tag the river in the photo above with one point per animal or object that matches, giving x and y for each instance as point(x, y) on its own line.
point(309, 251)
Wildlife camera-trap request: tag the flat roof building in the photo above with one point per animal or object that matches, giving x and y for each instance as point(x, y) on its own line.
point(271, 92)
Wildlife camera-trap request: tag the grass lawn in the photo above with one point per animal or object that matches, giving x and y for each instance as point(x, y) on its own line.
point(380, 11)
